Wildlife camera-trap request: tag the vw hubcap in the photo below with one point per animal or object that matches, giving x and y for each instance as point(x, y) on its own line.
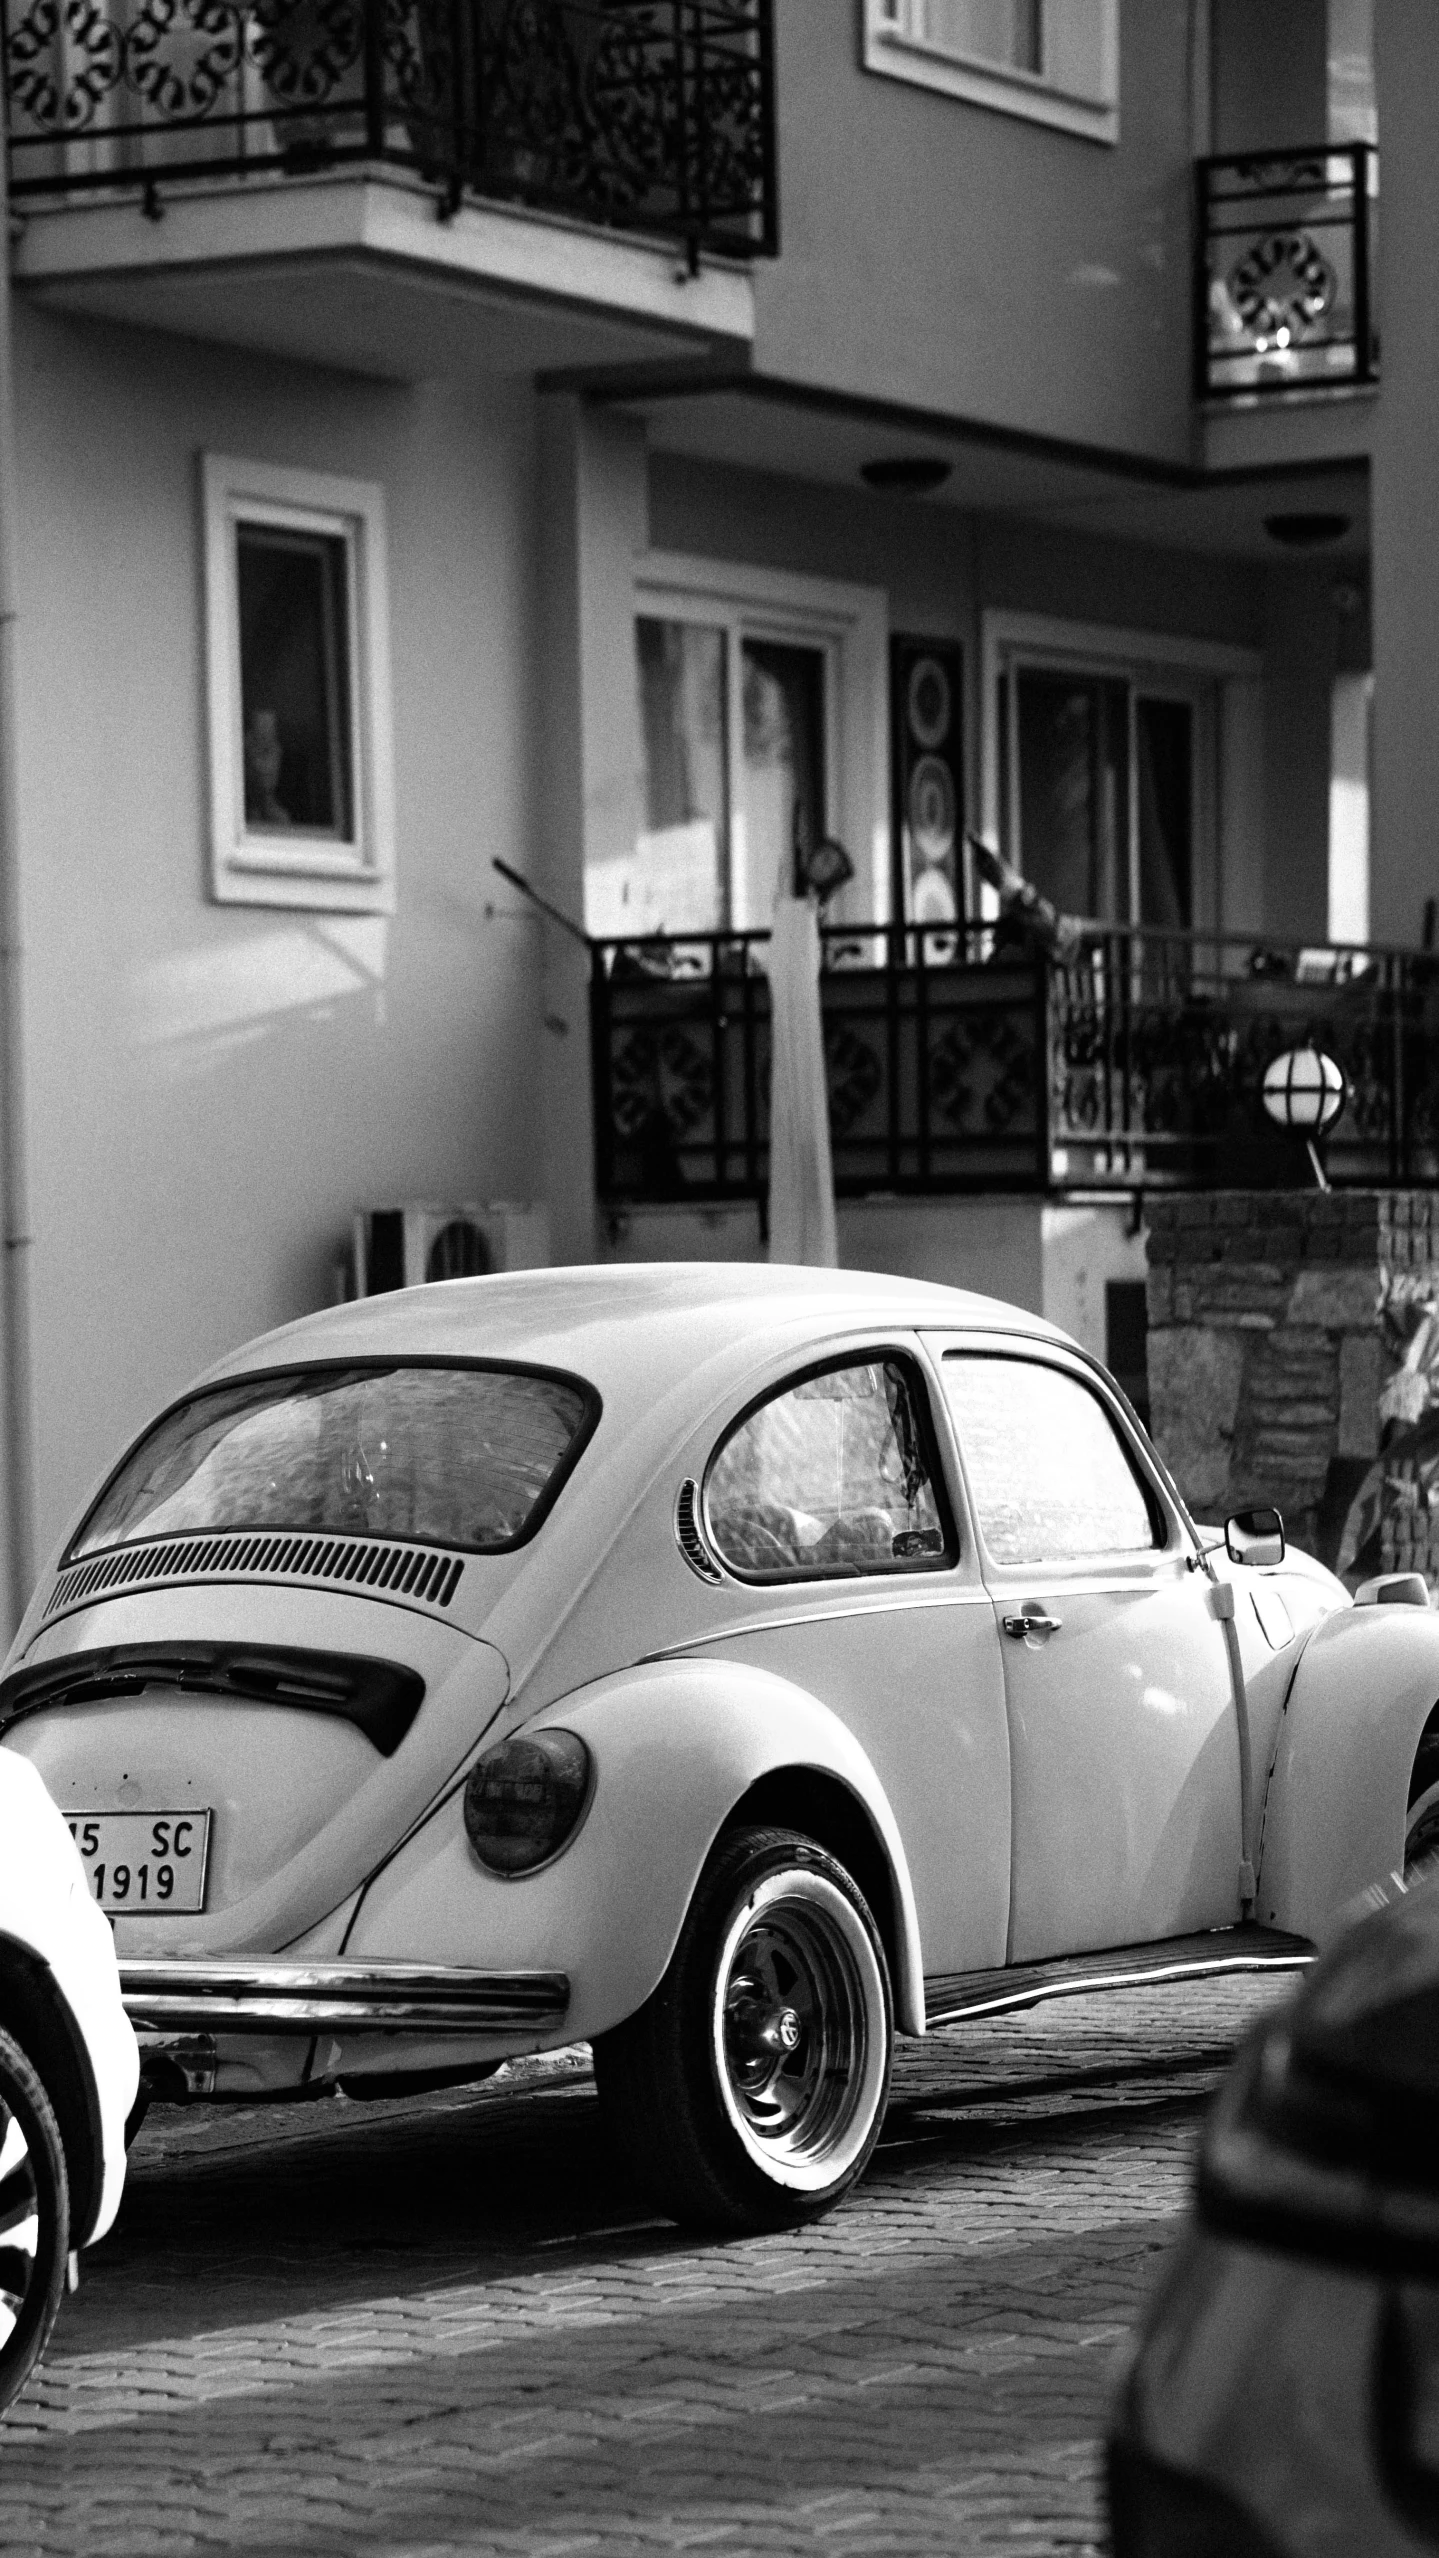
point(801, 2030)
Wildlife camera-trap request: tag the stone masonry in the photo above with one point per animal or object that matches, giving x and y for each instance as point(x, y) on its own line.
point(1276, 1321)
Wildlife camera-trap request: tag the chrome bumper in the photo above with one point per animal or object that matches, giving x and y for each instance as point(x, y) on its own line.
point(263, 1994)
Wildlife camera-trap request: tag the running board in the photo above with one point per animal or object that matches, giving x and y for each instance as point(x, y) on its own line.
point(952, 1997)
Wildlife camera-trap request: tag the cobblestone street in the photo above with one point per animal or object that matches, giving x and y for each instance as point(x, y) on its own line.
point(444, 2324)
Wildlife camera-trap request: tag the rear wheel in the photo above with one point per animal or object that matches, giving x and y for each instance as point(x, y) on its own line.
point(748, 2092)
point(34, 2219)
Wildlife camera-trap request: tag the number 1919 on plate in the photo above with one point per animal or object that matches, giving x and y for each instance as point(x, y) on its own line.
point(144, 1863)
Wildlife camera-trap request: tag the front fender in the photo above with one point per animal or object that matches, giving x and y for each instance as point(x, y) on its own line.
point(1338, 1791)
point(676, 1745)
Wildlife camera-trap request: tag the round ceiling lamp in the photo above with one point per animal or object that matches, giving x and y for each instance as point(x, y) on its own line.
point(1304, 1092)
point(906, 474)
point(1307, 531)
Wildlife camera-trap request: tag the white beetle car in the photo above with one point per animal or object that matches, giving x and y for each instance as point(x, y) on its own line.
point(69, 2068)
point(721, 1665)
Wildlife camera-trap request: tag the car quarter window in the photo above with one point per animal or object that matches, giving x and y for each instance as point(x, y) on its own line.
point(831, 1474)
point(1049, 1475)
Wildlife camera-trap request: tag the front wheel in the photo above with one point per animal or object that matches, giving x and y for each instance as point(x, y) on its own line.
point(748, 2092)
point(34, 2219)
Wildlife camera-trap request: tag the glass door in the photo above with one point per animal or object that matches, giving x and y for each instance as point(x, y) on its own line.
point(1106, 798)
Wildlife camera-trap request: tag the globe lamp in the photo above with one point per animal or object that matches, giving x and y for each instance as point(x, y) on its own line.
point(1304, 1091)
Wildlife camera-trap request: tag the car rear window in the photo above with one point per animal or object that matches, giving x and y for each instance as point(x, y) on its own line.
point(459, 1456)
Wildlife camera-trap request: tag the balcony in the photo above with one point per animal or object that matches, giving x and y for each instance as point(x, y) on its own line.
point(292, 157)
point(954, 1068)
point(1282, 301)
point(655, 119)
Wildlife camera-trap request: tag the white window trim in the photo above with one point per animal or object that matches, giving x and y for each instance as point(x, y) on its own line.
point(893, 47)
point(1099, 648)
point(296, 869)
point(849, 624)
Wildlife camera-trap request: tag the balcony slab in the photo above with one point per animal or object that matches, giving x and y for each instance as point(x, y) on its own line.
point(360, 271)
point(1295, 432)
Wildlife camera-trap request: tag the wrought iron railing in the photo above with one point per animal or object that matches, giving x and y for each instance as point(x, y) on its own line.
point(1285, 246)
point(955, 1065)
point(649, 115)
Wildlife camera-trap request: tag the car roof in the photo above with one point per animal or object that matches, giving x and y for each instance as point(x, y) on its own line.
point(653, 1322)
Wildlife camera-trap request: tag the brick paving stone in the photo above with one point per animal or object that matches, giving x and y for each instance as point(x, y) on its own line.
point(446, 2325)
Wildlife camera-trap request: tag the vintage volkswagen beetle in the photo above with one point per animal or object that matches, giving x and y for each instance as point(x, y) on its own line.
point(722, 1665)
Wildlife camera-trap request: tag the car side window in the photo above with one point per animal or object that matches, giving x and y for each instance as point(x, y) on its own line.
point(833, 1474)
point(1051, 1479)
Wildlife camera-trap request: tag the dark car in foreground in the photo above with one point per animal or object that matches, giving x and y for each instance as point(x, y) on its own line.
point(1283, 2395)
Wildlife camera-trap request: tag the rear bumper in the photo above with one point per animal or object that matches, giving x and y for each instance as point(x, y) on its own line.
point(264, 1994)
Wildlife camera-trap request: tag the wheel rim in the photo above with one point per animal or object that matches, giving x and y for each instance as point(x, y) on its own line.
point(19, 2227)
point(801, 2030)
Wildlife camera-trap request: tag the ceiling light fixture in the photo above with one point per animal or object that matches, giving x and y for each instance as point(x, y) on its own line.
point(1305, 532)
point(907, 474)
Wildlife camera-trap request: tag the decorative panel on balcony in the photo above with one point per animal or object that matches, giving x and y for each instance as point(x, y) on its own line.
point(1282, 286)
point(647, 115)
point(936, 1073)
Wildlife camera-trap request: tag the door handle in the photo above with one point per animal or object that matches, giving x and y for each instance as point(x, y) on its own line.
point(1034, 1621)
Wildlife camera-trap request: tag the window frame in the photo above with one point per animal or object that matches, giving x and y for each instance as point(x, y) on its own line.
point(848, 625)
point(893, 47)
point(800, 1575)
point(293, 868)
point(1172, 1532)
point(588, 1424)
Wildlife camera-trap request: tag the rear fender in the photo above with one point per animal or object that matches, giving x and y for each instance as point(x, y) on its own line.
point(679, 1748)
point(1338, 1791)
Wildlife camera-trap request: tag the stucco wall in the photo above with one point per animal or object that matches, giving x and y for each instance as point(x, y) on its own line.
point(211, 1090)
point(1076, 326)
point(1404, 856)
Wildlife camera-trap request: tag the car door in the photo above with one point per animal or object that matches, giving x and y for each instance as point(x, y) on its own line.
point(848, 1572)
point(1123, 1733)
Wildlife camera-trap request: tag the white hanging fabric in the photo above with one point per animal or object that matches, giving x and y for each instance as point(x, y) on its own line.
point(801, 1175)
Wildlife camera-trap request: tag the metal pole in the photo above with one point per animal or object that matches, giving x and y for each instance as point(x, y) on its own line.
point(18, 1456)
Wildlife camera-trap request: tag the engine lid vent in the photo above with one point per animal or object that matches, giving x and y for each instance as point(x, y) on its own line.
point(417, 1573)
point(687, 1533)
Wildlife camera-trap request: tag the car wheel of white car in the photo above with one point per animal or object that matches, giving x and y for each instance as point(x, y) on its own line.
point(34, 2219)
point(749, 2091)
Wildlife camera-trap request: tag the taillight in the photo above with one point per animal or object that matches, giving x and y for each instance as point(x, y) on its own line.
point(525, 1800)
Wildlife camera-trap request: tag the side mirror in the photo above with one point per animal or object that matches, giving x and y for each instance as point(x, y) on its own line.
point(1254, 1537)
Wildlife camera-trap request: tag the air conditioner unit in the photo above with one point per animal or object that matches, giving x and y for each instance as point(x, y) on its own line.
point(404, 1247)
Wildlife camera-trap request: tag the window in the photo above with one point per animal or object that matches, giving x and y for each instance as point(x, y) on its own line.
point(1055, 61)
point(759, 703)
point(1114, 772)
point(1048, 1473)
point(301, 796)
point(459, 1456)
point(833, 1475)
point(1097, 807)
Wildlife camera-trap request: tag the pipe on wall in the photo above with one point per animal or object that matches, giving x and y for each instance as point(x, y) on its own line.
point(17, 1452)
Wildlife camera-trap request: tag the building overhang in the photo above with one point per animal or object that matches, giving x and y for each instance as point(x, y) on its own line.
point(378, 274)
point(1252, 467)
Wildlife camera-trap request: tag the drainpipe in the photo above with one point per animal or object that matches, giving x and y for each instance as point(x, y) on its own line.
point(17, 1454)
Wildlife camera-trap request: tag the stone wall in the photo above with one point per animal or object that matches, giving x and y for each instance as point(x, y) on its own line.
point(1285, 1336)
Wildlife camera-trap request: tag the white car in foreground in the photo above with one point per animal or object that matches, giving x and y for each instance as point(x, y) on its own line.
point(725, 1667)
point(69, 2068)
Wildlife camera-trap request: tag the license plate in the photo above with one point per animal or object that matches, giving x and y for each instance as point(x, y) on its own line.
point(146, 1862)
